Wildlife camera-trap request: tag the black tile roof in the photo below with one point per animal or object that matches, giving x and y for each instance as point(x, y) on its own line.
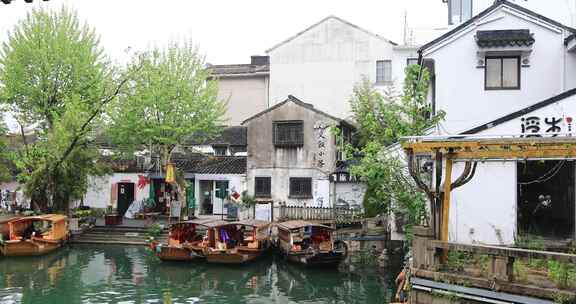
point(213, 165)
point(239, 69)
point(504, 38)
point(232, 136)
point(204, 164)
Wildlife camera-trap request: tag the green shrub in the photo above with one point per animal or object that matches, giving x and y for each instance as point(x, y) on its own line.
point(155, 230)
point(562, 274)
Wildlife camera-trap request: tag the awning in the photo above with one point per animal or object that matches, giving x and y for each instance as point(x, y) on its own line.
point(504, 38)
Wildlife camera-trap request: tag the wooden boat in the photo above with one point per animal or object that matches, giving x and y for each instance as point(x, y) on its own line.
point(238, 242)
point(187, 241)
point(308, 243)
point(35, 235)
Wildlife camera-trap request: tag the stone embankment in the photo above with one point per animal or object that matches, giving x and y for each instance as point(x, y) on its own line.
point(117, 235)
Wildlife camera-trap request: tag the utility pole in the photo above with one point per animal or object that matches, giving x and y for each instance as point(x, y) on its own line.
point(405, 27)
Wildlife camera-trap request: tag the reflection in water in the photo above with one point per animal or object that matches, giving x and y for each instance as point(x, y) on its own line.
point(114, 274)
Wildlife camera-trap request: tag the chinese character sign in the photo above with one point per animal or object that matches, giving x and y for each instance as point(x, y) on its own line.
point(535, 126)
point(321, 140)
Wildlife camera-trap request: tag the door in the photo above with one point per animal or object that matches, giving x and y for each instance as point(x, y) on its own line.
point(125, 197)
point(220, 197)
point(206, 191)
point(546, 198)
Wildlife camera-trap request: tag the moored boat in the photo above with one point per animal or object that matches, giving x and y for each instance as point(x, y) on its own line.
point(34, 235)
point(238, 242)
point(308, 243)
point(187, 241)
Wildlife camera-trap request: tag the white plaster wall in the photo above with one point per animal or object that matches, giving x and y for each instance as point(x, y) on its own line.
point(352, 193)
point(99, 194)
point(246, 96)
point(484, 210)
point(322, 65)
point(460, 84)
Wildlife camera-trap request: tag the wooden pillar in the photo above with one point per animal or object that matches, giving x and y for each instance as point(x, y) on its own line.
point(446, 203)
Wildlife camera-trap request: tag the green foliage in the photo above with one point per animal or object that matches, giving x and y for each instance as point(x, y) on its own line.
point(520, 270)
point(155, 230)
point(49, 58)
point(563, 274)
point(563, 298)
point(83, 213)
point(170, 98)
point(457, 260)
point(4, 155)
point(382, 119)
point(248, 200)
point(57, 80)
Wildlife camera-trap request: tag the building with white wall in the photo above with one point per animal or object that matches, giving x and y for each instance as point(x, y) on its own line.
point(323, 63)
point(508, 71)
point(244, 87)
point(536, 61)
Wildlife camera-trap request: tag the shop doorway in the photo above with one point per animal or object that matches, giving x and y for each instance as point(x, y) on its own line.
point(545, 192)
point(206, 202)
point(125, 197)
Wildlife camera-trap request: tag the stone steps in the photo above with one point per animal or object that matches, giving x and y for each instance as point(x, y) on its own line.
point(117, 235)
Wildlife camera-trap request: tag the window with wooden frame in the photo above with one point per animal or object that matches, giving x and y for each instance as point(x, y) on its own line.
point(300, 187)
point(263, 186)
point(288, 133)
point(502, 73)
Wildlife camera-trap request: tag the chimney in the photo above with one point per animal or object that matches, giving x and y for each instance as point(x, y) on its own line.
point(259, 60)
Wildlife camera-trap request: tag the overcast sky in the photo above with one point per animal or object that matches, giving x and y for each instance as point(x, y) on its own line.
point(229, 31)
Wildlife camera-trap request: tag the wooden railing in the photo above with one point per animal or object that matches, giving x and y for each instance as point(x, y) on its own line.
point(490, 267)
point(337, 215)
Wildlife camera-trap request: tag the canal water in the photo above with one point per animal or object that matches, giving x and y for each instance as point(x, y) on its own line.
point(116, 274)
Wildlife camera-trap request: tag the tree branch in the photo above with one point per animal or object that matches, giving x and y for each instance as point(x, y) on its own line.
point(85, 125)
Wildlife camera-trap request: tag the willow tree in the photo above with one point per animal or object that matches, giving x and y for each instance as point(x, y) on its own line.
point(382, 119)
point(56, 79)
point(169, 100)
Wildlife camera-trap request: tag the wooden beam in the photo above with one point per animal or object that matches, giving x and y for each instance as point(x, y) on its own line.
point(507, 154)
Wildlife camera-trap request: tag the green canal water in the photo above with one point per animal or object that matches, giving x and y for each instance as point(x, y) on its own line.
point(114, 274)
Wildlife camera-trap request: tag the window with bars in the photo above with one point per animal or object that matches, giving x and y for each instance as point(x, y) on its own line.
point(263, 186)
point(300, 187)
point(383, 71)
point(502, 73)
point(288, 133)
point(220, 150)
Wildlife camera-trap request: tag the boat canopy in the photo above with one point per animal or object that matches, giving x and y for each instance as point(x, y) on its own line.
point(253, 223)
point(202, 222)
point(58, 230)
point(297, 224)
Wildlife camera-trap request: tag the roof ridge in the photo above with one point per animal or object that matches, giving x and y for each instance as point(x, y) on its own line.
point(497, 4)
point(322, 21)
